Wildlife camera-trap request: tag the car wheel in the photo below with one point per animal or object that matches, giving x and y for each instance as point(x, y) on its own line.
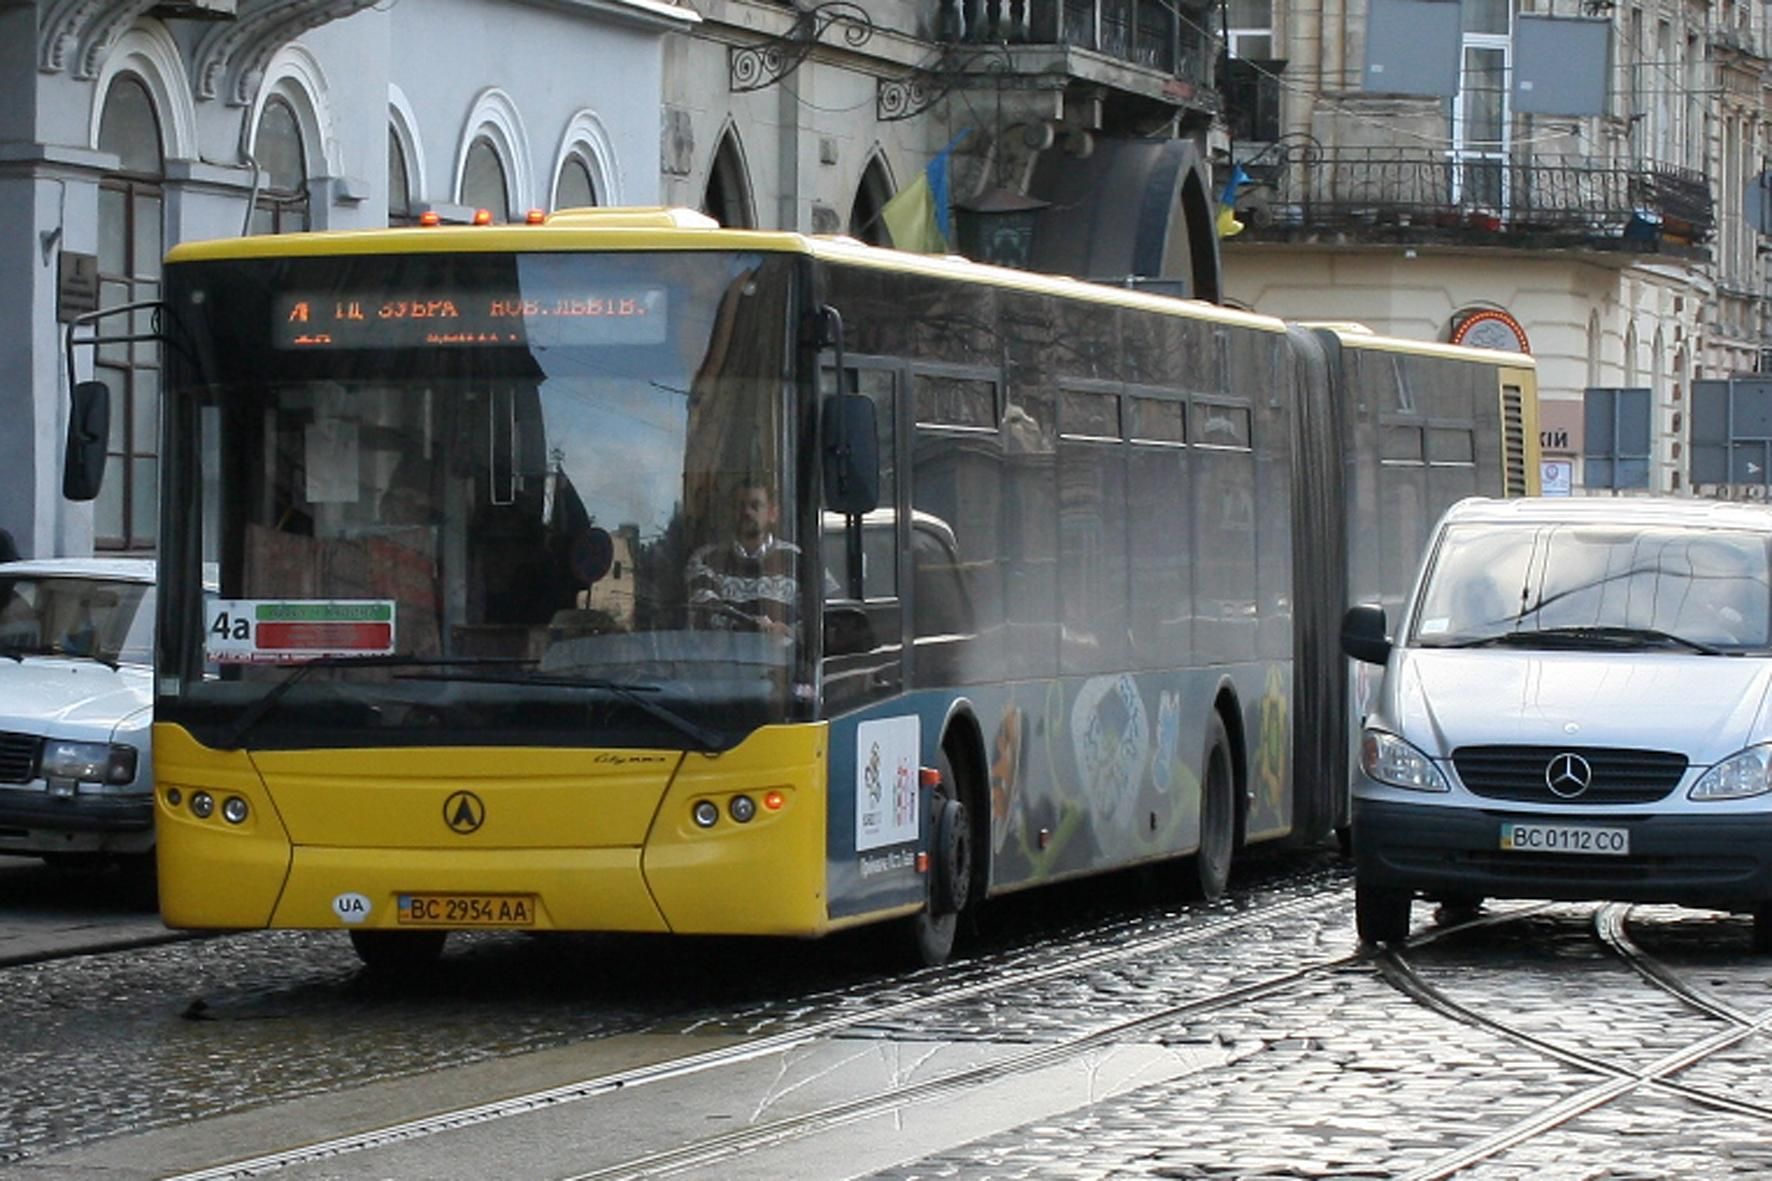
point(398, 952)
point(1381, 913)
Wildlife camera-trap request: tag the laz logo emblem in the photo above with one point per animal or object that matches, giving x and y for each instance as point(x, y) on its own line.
point(463, 812)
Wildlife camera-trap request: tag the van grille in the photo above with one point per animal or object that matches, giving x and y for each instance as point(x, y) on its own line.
point(1518, 773)
point(18, 757)
point(1513, 434)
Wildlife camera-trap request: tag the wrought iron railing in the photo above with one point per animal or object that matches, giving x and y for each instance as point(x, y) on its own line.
point(1162, 35)
point(1304, 185)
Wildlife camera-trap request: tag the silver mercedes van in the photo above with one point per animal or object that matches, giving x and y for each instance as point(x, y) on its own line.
point(1576, 704)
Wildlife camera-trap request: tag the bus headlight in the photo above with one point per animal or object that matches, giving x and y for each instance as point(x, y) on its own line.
point(706, 813)
point(234, 810)
point(1746, 773)
point(89, 762)
point(1388, 759)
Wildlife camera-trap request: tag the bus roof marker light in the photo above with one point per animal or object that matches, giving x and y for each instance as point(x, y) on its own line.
point(430, 217)
point(482, 217)
point(535, 217)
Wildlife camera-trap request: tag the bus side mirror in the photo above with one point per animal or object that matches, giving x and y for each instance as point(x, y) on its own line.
point(89, 429)
point(851, 455)
point(1362, 634)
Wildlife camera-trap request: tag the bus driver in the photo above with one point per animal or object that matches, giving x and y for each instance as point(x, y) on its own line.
point(749, 583)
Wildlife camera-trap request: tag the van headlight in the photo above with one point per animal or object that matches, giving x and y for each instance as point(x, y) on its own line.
point(1388, 759)
point(1747, 773)
point(89, 762)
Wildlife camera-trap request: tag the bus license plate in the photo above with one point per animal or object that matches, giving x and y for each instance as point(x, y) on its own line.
point(1564, 838)
point(467, 910)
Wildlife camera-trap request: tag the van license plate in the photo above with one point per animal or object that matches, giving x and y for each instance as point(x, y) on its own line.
point(1564, 838)
point(467, 910)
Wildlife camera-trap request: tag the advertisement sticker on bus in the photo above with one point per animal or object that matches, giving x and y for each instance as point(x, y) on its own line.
point(262, 631)
point(886, 783)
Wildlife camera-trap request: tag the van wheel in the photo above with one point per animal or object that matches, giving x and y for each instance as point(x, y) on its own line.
point(1381, 913)
point(1218, 816)
point(933, 930)
point(398, 952)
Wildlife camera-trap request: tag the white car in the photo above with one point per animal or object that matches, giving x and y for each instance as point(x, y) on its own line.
point(76, 700)
point(1577, 705)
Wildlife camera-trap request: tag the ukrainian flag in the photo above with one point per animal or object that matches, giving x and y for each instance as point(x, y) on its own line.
point(917, 217)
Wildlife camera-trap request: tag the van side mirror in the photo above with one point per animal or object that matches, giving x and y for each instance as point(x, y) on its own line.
point(851, 455)
point(89, 430)
point(1363, 634)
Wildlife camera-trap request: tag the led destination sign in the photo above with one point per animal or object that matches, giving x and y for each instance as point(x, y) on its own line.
point(455, 318)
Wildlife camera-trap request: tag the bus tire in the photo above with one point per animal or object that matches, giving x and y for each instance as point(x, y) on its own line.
point(933, 929)
point(398, 952)
point(1218, 816)
point(1762, 928)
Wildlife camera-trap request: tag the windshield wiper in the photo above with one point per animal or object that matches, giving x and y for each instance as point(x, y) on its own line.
point(256, 712)
point(633, 693)
point(1586, 636)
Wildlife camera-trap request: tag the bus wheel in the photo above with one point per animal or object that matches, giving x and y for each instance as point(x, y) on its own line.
point(397, 952)
point(1763, 927)
point(1218, 816)
point(932, 930)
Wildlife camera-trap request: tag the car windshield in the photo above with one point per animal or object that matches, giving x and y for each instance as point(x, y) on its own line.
point(549, 495)
point(1679, 587)
point(104, 619)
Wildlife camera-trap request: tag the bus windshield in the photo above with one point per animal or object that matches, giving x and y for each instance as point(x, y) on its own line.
point(487, 497)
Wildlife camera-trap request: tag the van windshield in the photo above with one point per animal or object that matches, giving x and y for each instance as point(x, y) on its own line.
point(1523, 585)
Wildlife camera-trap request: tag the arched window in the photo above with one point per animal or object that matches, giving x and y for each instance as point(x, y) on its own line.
point(483, 184)
point(131, 221)
point(870, 197)
point(399, 184)
point(575, 189)
point(282, 203)
point(728, 199)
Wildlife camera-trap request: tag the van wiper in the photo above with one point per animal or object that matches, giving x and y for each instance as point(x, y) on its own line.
point(256, 712)
point(1587, 636)
point(634, 693)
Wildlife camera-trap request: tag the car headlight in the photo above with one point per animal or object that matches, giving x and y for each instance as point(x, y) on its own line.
point(89, 762)
point(1746, 773)
point(1389, 759)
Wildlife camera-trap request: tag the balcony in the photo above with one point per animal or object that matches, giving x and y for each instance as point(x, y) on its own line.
point(1304, 192)
point(1157, 50)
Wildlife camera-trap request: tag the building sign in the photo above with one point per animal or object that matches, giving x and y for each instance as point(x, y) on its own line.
point(1556, 477)
point(1560, 422)
point(76, 285)
point(1489, 328)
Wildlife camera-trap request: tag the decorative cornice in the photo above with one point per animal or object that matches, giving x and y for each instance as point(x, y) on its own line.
point(104, 32)
point(231, 59)
point(65, 34)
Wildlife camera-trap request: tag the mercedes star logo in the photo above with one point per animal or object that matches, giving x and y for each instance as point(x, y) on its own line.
point(1568, 775)
point(464, 812)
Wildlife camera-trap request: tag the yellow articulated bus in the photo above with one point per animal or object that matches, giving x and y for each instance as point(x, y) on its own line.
point(622, 572)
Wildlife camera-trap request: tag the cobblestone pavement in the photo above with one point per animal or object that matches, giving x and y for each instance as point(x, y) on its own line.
point(1340, 1076)
point(1345, 1078)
